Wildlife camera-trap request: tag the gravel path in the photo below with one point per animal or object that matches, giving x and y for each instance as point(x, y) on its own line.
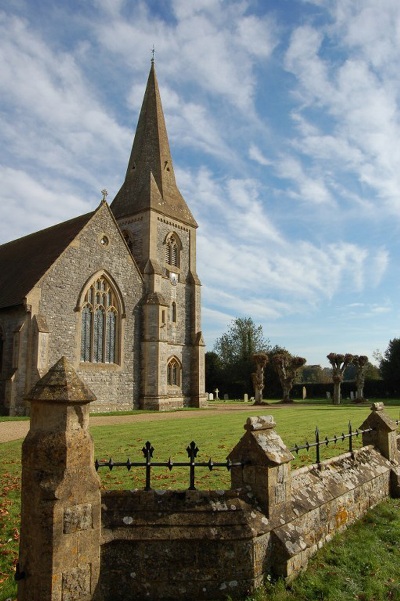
point(13, 430)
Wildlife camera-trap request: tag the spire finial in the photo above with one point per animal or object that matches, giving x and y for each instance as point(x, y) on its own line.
point(105, 194)
point(153, 51)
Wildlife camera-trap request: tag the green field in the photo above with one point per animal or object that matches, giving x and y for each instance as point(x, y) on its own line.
point(215, 436)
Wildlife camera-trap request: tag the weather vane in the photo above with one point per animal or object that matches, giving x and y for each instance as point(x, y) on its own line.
point(104, 193)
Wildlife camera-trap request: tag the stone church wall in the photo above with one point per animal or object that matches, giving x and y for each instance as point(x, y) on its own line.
point(15, 326)
point(115, 386)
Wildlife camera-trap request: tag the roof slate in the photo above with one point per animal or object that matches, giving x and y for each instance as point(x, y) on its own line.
point(25, 260)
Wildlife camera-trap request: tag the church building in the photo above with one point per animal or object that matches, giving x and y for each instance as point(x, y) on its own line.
point(116, 291)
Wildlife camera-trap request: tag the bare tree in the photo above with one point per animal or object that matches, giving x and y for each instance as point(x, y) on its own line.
point(287, 367)
point(339, 364)
point(261, 360)
point(360, 362)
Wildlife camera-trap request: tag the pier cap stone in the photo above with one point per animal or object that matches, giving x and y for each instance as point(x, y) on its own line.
point(260, 444)
point(61, 385)
point(377, 407)
point(379, 420)
point(261, 422)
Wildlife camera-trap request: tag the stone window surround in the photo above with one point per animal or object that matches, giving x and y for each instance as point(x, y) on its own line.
point(172, 251)
point(121, 315)
point(174, 372)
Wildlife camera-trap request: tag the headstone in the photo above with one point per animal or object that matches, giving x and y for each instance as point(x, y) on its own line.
point(216, 394)
point(328, 396)
point(352, 396)
point(210, 396)
point(226, 397)
point(246, 398)
point(304, 393)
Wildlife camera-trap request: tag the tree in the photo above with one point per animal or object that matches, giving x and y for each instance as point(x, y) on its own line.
point(360, 362)
point(235, 350)
point(213, 371)
point(261, 360)
point(287, 367)
point(314, 373)
point(339, 364)
point(390, 365)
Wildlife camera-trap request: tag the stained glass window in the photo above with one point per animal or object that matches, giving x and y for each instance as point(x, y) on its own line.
point(100, 323)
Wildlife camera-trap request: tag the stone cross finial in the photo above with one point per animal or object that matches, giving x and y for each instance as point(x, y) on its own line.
point(105, 194)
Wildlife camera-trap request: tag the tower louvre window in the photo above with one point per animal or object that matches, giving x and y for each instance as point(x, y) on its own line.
point(100, 323)
point(172, 251)
point(128, 240)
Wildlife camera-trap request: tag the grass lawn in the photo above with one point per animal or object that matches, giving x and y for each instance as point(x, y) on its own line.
point(215, 436)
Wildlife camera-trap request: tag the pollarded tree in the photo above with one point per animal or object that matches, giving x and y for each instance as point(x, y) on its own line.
point(361, 364)
point(287, 367)
point(339, 364)
point(261, 360)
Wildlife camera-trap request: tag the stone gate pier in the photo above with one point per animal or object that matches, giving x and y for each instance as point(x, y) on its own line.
point(59, 557)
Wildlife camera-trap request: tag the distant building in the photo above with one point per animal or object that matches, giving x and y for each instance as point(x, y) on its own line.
point(116, 291)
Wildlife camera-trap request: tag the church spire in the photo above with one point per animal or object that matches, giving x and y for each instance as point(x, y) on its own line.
point(150, 179)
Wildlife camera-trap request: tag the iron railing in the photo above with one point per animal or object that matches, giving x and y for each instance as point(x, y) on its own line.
point(148, 450)
point(326, 441)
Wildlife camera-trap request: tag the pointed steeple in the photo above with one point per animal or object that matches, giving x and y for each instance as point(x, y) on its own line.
point(150, 179)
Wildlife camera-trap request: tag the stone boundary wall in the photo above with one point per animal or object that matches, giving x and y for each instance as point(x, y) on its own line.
point(78, 544)
point(207, 544)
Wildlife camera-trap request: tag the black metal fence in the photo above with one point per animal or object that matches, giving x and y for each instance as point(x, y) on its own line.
point(351, 434)
point(192, 450)
point(148, 464)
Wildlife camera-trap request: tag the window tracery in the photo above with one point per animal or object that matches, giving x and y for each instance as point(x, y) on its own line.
point(174, 372)
point(100, 323)
point(172, 250)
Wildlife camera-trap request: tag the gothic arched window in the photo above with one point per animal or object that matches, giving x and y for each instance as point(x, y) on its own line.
point(100, 323)
point(174, 372)
point(172, 250)
point(128, 240)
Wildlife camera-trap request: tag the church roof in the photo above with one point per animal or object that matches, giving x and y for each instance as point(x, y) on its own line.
point(24, 261)
point(150, 179)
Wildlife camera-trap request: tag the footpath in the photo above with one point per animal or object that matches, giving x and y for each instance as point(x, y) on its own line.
point(13, 430)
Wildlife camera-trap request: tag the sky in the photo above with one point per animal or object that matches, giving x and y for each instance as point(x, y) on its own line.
point(283, 119)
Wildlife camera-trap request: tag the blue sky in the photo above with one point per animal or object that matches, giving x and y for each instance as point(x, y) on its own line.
point(284, 124)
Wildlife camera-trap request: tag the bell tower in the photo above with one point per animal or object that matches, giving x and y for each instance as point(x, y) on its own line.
point(160, 231)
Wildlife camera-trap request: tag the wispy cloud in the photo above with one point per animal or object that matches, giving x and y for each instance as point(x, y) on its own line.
point(284, 133)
